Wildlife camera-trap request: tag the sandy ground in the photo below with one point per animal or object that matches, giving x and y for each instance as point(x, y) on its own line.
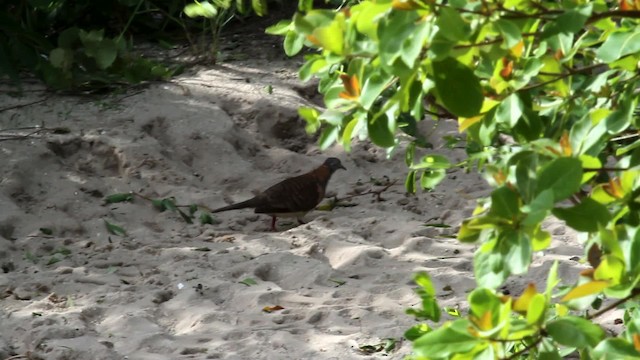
point(172, 290)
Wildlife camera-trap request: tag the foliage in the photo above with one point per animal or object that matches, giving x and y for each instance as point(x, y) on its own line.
point(546, 94)
point(217, 14)
point(88, 45)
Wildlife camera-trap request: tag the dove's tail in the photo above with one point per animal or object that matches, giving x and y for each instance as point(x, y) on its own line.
point(251, 203)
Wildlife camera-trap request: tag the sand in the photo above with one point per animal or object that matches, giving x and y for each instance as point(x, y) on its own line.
point(172, 290)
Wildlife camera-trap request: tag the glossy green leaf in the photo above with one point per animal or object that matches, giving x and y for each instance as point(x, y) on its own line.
point(575, 331)
point(416, 331)
point(562, 176)
point(517, 250)
point(293, 43)
point(430, 178)
point(510, 110)
point(382, 131)
point(445, 341)
point(505, 203)
point(619, 44)
point(430, 309)
point(451, 25)
point(489, 267)
point(589, 215)
point(616, 348)
point(310, 115)
point(328, 136)
point(510, 32)
point(571, 21)
point(610, 269)
point(458, 88)
point(539, 208)
point(410, 182)
point(282, 27)
point(373, 87)
point(201, 9)
point(259, 6)
point(330, 37)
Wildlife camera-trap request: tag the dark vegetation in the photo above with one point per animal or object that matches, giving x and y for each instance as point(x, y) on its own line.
point(96, 45)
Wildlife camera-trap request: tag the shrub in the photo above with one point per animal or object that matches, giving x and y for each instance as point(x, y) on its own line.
point(546, 93)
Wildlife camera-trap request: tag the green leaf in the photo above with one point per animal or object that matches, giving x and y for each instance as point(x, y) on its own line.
point(328, 137)
point(505, 203)
point(117, 198)
point(615, 348)
point(410, 182)
point(46, 231)
point(103, 52)
point(293, 43)
point(429, 179)
point(248, 282)
point(562, 175)
point(539, 208)
point(282, 27)
point(445, 341)
point(305, 5)
point(570, 22)
point(424, 281)
point(510, 32)
point(620, 119)
point(205, 218)
point(517, 250)
point(451, 25)
point(409, 153)
point(458, 88)
point(510, 110)
point(552, 280)
point(61, 58)
point(430, 309)
point(114, 229)
point(330, 38)
point(488, 267)
point(432, 161)
point(575, 331)
point(373, 87)
point(203, 9)
point(259, 6)
point(382, 131)
point(588, 216)
point(416, 331)
point(310, 115)
point(619, 44)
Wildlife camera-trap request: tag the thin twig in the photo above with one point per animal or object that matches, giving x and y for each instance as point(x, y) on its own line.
point(602, 169)
point(24, 105)
point(378, 193)
point(21, 137)
point(634, 293)
point(526, 349)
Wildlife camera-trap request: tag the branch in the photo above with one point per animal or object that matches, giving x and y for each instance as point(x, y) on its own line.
point(603, 169)
point(24, 105)
point(526, 348)
point(634, 14)
point(635, 292)
point(563, 76)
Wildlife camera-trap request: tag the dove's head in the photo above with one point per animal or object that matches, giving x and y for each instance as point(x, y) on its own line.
point(334, 164)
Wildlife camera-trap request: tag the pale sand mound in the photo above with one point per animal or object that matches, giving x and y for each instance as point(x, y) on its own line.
point(211, 138)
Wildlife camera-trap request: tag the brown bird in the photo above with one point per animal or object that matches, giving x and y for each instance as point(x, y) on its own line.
point(292, 197)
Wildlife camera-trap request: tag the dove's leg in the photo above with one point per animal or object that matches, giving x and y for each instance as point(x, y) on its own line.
point(273, 223)
point(300, 221)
